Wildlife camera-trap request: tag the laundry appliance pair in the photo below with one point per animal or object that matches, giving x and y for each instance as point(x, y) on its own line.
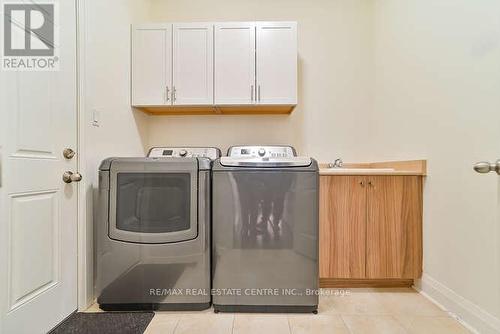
point(184, 227)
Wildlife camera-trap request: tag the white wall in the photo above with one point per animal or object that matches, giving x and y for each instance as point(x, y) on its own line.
point(436, 96)
point(334, 53)
point(378, 79)
point(121, 131)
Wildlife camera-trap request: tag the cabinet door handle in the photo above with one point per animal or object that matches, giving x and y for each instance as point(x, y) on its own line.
point(251, 93)
point(168, 94)
point(362, 183)
point(370, 183)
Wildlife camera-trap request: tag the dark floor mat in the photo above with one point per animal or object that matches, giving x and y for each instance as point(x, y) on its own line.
point(105, 323)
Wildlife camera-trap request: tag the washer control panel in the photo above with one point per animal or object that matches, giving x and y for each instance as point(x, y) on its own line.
point(184, 152)
point(261, 152)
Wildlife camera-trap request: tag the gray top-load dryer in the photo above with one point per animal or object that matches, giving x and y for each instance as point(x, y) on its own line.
point(265, 231)
point(153, 230)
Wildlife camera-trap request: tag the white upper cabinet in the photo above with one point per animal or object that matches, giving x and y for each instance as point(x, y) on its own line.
point(276, 46)
point(207, 64)
point(235, 63)
point(193, 64)
point(151, 64)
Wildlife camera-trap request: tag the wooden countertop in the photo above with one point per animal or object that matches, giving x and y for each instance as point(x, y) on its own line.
point(410, 167)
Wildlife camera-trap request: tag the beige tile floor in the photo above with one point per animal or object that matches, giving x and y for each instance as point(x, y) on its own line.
point(358, 311)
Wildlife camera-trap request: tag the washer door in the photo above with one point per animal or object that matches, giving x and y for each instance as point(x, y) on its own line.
point(153, 200)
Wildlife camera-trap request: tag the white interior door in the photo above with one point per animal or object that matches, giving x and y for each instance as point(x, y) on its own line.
point(151, 64)
point(38, 230)
point(276, 49)
point(235, 63)
point(193, 64)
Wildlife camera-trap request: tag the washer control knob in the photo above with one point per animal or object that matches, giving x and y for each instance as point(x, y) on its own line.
point(261, 152)
point(183, 153)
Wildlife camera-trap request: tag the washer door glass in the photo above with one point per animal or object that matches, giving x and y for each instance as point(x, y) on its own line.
point(153, 206)
point(153, 202)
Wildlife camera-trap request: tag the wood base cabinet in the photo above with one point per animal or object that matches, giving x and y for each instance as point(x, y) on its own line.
point(370, 227)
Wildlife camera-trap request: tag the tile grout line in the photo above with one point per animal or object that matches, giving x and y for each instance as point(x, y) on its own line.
point(345, 323)
point(176, 325)
point(398, 320)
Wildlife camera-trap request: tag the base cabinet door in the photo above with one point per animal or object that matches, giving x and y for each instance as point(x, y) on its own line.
point(343, 226)
point(394, 228)
point(370, 228)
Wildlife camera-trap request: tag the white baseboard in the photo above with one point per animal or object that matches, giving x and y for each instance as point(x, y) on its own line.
point(469, 314)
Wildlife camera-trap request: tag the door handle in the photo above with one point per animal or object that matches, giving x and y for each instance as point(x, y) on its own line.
point(68, 153)
point(486, 167)
point(69, 177)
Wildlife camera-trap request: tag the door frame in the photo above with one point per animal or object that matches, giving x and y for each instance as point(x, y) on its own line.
point(85, 293)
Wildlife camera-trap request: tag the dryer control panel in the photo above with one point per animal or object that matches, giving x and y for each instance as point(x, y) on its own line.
point(184, 152)
point(261, 152)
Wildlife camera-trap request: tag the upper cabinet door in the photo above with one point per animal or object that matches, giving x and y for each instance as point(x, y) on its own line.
point(193, 64)
point(151, 64)
point(235, 63)
point(276, 62)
